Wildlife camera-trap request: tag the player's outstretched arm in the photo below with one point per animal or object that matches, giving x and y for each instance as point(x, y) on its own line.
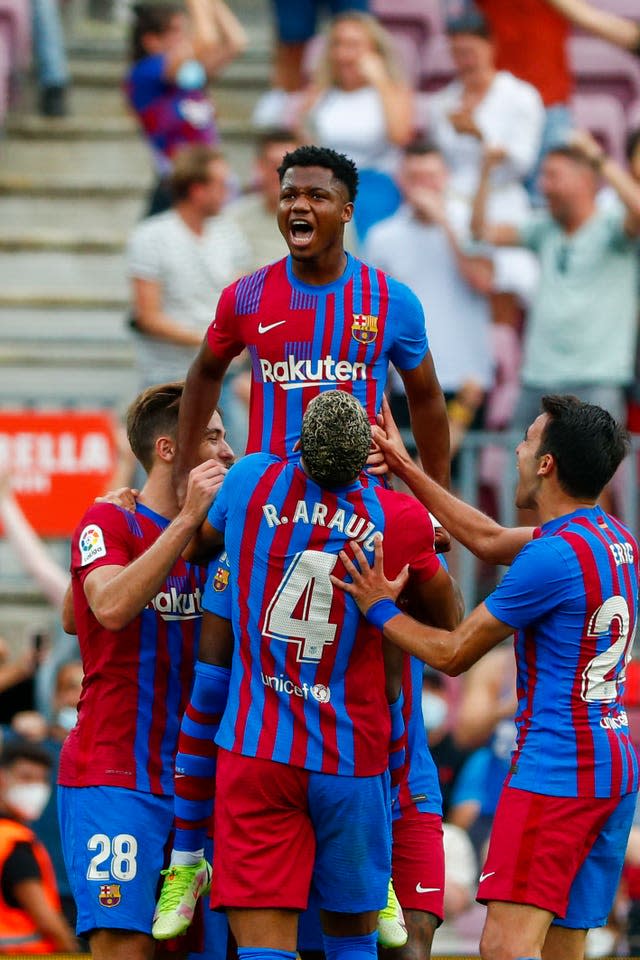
point(199, 400)
point(117, 594)
point(485, 538)
point(609, 26)
point(451, 652)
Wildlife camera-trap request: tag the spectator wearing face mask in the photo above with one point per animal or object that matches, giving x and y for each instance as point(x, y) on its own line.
point(30, 916)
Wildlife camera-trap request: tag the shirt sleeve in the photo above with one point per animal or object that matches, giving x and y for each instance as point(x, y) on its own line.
point(246, 471)
point(532, 232)
point(410, 345)
point(102, 538)
point(223, 335)
point(538, 580)
point(144, 259)
point(217, 591)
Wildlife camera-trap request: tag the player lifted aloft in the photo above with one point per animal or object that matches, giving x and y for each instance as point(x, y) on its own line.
point(317, 320)
point(562, 823)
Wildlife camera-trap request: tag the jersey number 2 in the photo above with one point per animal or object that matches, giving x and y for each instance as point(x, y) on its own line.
point(613, 612)
point(300, 608)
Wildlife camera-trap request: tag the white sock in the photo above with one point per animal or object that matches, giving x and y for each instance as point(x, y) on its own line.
point(186, 858)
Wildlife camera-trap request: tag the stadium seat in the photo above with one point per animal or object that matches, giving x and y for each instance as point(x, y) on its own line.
point(598, 67)
point(437, 65)
point(603, 116)
point(624, 8)
point(418, 19)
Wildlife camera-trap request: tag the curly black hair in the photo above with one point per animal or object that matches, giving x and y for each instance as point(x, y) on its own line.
point(342, 167)
point(335, 439)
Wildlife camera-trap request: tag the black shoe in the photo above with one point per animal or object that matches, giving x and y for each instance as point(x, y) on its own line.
point(53, 101)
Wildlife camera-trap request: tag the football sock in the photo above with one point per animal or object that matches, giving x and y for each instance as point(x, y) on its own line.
point(351, 948)
point(264, 953)
point(196, 762)
point(397, 745)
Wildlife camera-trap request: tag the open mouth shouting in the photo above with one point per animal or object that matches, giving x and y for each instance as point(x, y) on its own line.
point(301, 232)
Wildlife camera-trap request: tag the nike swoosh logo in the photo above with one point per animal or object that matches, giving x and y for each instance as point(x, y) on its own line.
point(264, 328)
point(421, 889)
point(485, 876)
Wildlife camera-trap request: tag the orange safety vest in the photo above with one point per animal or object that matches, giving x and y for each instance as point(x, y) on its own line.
point(18, 932)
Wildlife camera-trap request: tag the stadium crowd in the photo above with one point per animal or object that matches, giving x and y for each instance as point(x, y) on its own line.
point(514, 222)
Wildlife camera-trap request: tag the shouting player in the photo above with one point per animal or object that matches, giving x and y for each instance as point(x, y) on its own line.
point(564, 815)
point(137, 613)
point(302, 783)
point(317, 320)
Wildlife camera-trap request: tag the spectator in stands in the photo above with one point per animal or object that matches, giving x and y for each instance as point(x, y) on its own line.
point(296, 22)
point(420, 246)
point(609, 26)
point(255, 212)
point(360, 105)
point(481, 108)
point(173, 59)
point(179, 262)
point(51, 58)
point(30, 917)
point(589, 275)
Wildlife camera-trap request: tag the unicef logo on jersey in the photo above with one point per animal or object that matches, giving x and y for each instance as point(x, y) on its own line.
point(282, 684)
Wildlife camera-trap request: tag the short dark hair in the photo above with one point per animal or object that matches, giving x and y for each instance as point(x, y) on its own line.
point(571, 153)
point(420, 146)
point(153, 413)
point(335, 438)
point(150, 18)
point(342, 168)
point(472, 21)
point(190, 166)
point(19, 749)
point(587, 444)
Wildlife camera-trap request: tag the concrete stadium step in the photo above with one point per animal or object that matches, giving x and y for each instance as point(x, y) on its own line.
point(62, 273)
point(46, 206)
point(36, 381)
point(68, 326)
point(61, 239)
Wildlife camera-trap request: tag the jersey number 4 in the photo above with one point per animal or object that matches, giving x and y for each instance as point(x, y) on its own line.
point(610, 618)
point(300, 608)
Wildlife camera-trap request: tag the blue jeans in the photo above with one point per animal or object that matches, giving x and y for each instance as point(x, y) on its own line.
point(48, 44)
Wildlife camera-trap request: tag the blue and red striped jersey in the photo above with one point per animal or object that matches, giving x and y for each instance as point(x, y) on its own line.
point(419, 786)
point(307, 682)
point(572, 596)
point(136, 680)
point(304, 339)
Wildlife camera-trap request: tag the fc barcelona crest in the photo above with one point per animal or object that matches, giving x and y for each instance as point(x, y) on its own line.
point(364, 328)
point(221, 579)
point(109, 895)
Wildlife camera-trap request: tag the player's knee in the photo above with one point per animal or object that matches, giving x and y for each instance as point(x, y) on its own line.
point(494, 944)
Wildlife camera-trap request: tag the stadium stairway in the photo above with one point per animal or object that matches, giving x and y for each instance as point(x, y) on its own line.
point(70, 191)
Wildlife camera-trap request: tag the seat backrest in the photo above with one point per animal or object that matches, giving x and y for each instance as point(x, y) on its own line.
point(437, 68)
point(602, 115)
point(599, 67)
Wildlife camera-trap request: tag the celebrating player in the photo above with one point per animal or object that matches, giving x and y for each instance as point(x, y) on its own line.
point(302, 783)
point(564, 815)
point(137, 611)
point(317, 320)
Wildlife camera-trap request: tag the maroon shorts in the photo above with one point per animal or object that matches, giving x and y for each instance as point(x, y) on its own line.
point(418, 861)
point(538, 844)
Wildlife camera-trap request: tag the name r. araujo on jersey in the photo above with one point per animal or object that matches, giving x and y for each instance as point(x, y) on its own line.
point(356, 528)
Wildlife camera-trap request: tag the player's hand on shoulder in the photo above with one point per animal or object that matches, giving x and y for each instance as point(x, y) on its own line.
point(123, 497)
point(368, 582)
point(203, 484)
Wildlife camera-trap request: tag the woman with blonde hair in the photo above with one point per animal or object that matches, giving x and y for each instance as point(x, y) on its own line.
point(359, 104)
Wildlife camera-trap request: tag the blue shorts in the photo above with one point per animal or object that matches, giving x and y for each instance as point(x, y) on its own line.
point(113, 841)
point(280, 829)
point(296, 20)
point(594, 887)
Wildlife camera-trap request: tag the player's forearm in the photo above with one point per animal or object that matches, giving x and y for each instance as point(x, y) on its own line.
point(430, 427)
point(199, 399)
point(116, 602)
point(485, 538)
point(429, 644)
